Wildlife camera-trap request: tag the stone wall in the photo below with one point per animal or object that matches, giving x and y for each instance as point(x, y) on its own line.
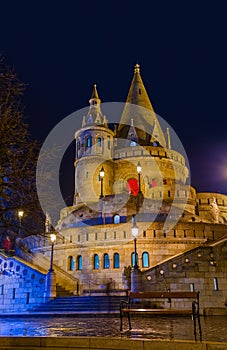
point(202, 269)
point(21, 286)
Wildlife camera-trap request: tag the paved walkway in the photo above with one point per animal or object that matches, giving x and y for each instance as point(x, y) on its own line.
point(170, 328)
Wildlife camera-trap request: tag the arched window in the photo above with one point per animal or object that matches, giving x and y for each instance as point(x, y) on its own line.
point(88, 142)
point(79, 262)
point(133, 144)
point(145, 259)
point(106, 261)
point(70, 263)
point(99, 141)
point(96, 261)
point(117, 219)
point(133, 258)
point(116, 261)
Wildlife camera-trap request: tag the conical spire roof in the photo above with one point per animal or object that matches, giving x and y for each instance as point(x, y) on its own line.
point(94, 115)
point(137, 93)
point(138, 106)
point(94, 94)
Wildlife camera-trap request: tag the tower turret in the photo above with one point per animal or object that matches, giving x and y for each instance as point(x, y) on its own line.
point(94, 115)
point(138, 106)
point(94, 149)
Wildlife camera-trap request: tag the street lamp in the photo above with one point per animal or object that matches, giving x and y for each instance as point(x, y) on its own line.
point(20, 214)
point(101, 174)
point(135, 232)
point(139, 170)
point(53, 240)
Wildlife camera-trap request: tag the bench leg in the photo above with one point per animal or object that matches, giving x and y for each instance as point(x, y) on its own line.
point(200, 329)
point(129, 321)
point(194, 315)
point(121, 316)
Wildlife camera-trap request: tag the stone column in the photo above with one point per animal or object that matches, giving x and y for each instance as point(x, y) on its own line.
point(50, 286)
point(136, 280)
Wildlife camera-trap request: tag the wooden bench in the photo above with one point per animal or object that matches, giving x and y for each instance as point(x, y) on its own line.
point(129, 307)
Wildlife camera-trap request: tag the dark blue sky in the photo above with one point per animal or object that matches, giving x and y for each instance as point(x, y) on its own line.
point(60, 49)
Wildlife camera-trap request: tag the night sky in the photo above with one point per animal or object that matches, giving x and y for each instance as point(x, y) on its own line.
point(60, 49)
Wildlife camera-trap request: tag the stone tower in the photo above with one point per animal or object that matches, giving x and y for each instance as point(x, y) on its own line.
point(94, 147)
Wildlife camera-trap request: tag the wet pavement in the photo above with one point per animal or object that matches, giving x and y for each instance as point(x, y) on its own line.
point(213, 327)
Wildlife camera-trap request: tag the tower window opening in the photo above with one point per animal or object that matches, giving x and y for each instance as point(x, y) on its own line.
point(88, 142)
point(140, 92)
point(124, 234)
point(154, 233)
point(117, 219)
point(145, 259)
point(144, 233)
point(99, 142)
point(116, 262)
point(96, 262)
point(79, 262)
point(70, 263)
point(96, 236)
point(192, 287)
point(168, 193)
point(14, 293)
point(216, 283)
point(133, 144)
point(106, 261)
point(115, 235)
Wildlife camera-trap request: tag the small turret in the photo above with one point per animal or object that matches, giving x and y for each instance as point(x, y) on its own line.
point(94, 115)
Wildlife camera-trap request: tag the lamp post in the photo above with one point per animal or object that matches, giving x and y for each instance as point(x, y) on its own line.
point(136, 281)
point(50, 282)
point(53, 240)
point(135, 232)
point(20, 216)
point(101, 174)
point(139, 170)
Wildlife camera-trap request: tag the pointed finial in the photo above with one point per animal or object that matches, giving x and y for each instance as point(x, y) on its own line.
point(95, 92)
point(137, 68)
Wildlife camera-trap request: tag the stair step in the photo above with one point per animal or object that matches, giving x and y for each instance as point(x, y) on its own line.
point(81, 304)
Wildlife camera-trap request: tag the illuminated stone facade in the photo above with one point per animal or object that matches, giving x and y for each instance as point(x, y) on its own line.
point(180, 230)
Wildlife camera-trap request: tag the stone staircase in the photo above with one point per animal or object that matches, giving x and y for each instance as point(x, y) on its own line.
point(62, 292)
point(81, 305)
